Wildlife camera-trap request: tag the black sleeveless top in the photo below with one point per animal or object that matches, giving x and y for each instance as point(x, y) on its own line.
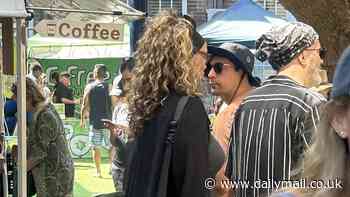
point(100, 104)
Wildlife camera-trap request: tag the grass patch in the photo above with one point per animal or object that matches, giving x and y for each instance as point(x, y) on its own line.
point(85, 184)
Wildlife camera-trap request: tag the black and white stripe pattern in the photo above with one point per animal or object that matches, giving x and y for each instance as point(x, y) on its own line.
point(272, 128)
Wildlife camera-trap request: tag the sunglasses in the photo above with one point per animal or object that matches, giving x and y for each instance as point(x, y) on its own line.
point(218, 67)
point(322, 52)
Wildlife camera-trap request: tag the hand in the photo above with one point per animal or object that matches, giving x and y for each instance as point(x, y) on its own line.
point(115, 131)
point(113, 128)
point(109, 125)
point(121, 127)
point(77, 101)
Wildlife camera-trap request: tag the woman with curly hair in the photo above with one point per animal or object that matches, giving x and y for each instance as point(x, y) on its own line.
point(327, 162)
point(170, 63)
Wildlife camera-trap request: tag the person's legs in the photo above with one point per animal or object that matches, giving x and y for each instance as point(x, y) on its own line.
point(96, 154)
point(118, 178)
point(111, 155)
point(96, 140)
point(108, 145)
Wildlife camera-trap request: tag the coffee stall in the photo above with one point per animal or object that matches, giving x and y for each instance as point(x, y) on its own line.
point(18, 14)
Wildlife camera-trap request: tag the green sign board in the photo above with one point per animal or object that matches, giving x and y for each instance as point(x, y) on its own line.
point(80, 70)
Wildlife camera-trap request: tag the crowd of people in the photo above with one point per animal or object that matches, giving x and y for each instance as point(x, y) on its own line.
point(278, 130)
point(271, 131)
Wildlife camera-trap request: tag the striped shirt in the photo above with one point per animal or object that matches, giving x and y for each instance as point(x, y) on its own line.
point(272, 128)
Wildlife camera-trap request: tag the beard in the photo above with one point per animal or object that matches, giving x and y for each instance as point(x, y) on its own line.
point(315, 79)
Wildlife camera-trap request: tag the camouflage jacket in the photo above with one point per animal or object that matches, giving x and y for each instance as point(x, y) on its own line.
point(47, 148)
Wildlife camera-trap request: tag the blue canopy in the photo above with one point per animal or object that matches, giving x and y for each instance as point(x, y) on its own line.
point(244, 22)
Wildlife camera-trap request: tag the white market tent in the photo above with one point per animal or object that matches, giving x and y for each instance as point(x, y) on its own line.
point(244, 22)
point(16, 9)
point(12, 8)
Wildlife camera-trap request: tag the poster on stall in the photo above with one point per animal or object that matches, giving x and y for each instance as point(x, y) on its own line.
point(80, 70)
point(7, 81)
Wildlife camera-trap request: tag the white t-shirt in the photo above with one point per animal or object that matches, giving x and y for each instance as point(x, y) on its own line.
point(116, 91)
point(120, 117)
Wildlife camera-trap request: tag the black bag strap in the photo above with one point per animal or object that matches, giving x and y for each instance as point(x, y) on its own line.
point(170, 140)
point(180, 107)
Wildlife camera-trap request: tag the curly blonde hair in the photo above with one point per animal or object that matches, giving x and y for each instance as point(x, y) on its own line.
point(163, 63)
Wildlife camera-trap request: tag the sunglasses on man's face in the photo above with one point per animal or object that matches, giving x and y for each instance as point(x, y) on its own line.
point(322, 52)
point(217, 68)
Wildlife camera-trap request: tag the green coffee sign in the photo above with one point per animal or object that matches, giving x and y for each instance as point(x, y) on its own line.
point(80, 70)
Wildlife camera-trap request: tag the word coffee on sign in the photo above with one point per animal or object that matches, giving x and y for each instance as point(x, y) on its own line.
point(81, 30)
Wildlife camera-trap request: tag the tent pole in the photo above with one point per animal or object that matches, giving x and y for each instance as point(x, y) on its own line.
point(160, 5)
point(2, 139)
point(184, 7)
point(276, 7)
point(21, 102)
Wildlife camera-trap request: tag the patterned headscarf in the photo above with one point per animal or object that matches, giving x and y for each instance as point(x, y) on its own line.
point(281, 44)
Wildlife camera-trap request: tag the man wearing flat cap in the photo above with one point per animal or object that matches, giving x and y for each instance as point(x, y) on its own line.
point(229, 71)
point(274, 123)
point(64, 94)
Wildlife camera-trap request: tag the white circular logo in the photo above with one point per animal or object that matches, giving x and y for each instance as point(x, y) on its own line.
point(248, 59)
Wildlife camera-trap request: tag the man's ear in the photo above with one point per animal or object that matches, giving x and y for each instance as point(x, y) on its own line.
point(341, 125)
point(302, 59)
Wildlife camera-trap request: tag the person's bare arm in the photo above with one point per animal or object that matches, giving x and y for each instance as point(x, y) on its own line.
point(84, 107)
point(68, 101)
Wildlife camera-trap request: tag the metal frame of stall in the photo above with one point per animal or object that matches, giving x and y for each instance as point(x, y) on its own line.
point(21, 102)
point(16, 10)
